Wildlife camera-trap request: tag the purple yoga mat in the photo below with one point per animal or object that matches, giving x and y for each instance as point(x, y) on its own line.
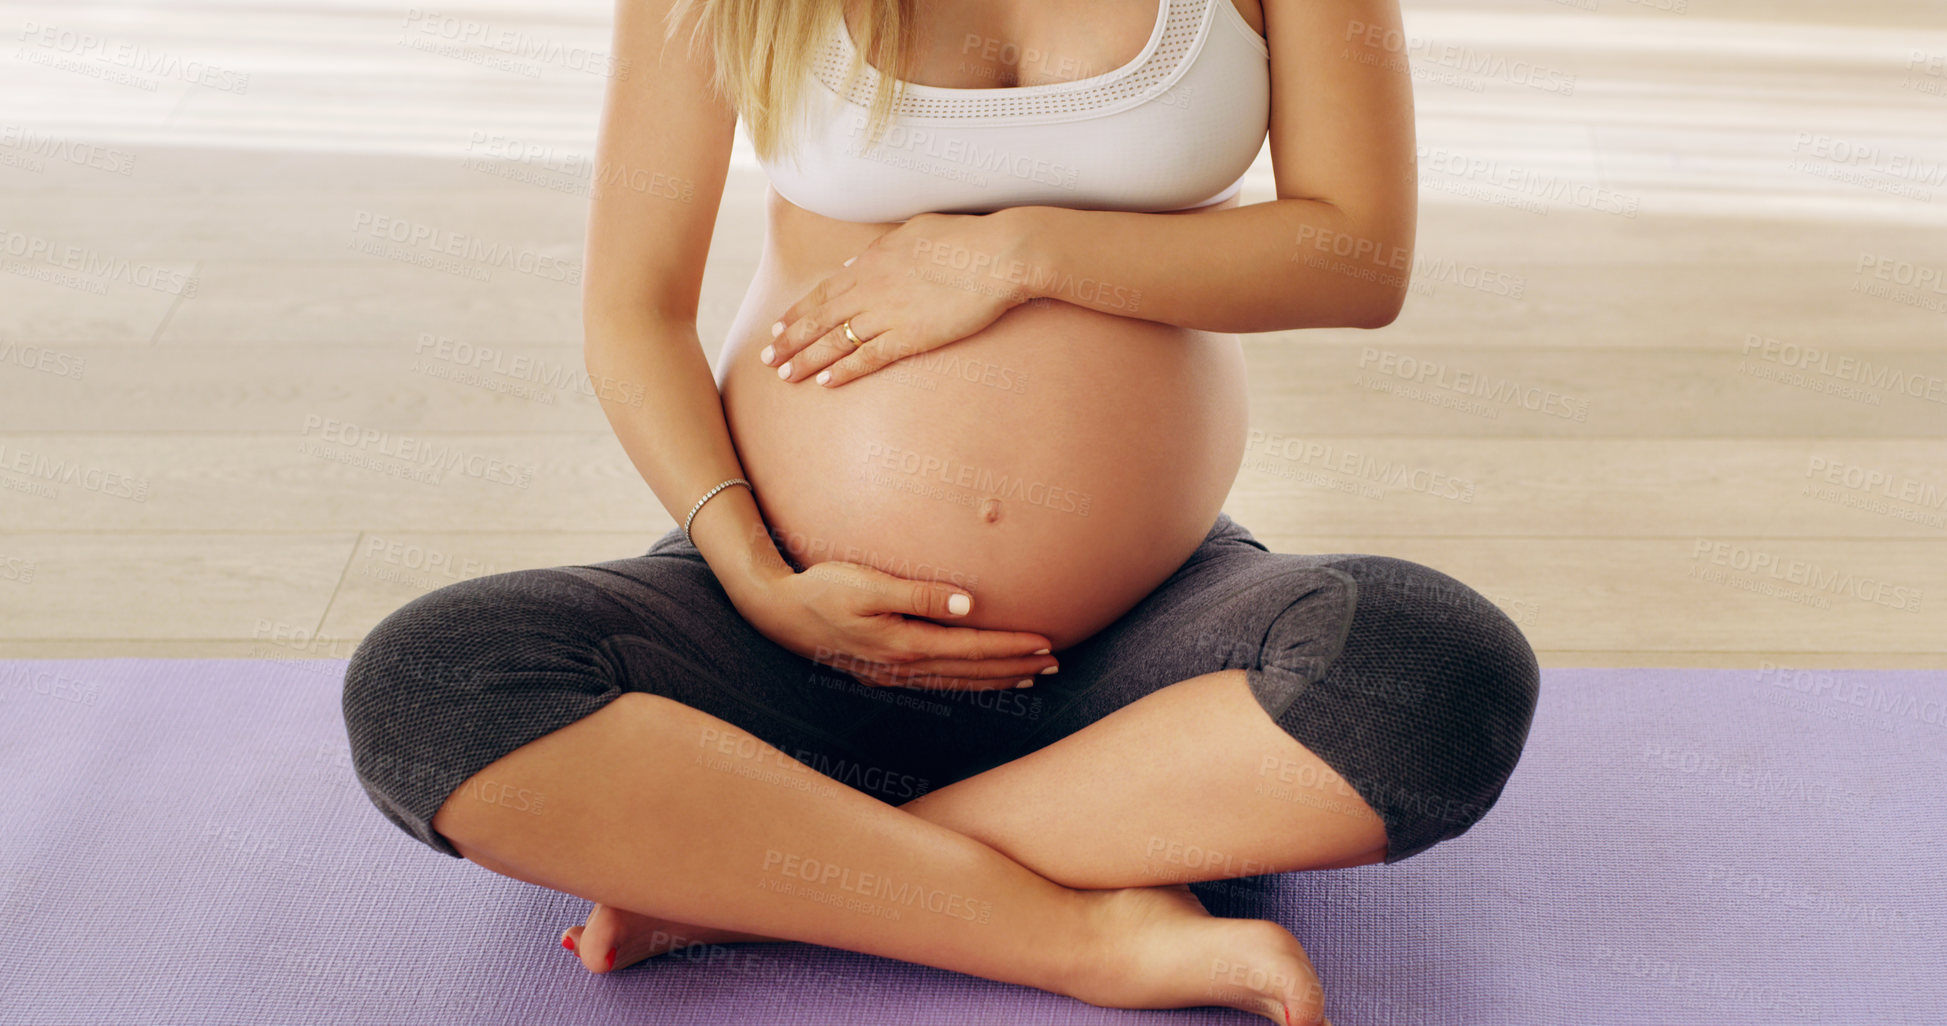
point(183, 842)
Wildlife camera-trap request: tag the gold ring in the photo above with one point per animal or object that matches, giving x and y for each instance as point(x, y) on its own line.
point(855, 340)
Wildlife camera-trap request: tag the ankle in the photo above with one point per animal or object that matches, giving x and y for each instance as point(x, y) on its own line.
point(1081, 959)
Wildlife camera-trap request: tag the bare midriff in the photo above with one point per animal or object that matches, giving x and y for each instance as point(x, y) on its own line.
point(1058, 464)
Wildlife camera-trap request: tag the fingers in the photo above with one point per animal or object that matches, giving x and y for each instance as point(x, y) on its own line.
point(1008, 670)
point(808, 320)
point(933, 641)
point(888, 346)
point(936, 599)
point(936, 675)
point(1011, 670)
point(900, 678)
point(895, 648)
point(831, 347)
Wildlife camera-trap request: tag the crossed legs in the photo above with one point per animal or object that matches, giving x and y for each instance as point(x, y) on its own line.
point(1043, 867)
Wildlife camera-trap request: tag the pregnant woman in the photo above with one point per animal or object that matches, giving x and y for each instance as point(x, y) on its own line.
point(954, 657)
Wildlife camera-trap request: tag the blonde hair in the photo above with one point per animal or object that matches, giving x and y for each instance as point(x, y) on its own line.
point(764, 51)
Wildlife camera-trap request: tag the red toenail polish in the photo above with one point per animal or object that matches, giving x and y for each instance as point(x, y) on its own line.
point(611, 959)
point(567, 942)
point(1287, 1014)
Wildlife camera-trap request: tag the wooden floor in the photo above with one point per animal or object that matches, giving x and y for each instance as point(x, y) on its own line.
point(1671, 388)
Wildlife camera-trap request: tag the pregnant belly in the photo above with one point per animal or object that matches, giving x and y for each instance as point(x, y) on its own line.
point(1058, 465)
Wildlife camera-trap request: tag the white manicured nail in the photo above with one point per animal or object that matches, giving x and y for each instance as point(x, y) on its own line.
point(1040, 651)
point(1046, 670)
point(785, 371)
point(777, 329)
point(1024, 684)
point(848, 261)
point(824, 377)
point(769, 354)
point(958, 604)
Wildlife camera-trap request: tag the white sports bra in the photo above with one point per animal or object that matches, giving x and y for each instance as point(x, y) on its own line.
point(1175, 129)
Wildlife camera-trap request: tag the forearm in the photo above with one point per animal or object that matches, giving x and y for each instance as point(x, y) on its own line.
point(657, 391)
point(1288, 263)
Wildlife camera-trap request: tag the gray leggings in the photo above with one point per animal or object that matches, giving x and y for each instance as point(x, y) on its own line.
point(1409, 684)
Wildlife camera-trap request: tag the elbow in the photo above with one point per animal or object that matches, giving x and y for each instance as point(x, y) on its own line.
point(609, 328)
point(1380, 281)
point(1379, 309)
point(1365, 310)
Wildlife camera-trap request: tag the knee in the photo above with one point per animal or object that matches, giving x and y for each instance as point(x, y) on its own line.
point(1449, 632)
point(422, 687)
point(418, 654)
point(1444, 686)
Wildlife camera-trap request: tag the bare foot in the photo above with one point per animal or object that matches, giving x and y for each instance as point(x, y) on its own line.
point(614, 938)
point(1161, 949)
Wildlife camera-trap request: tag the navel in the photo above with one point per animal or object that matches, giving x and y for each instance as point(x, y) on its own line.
point(990, 511)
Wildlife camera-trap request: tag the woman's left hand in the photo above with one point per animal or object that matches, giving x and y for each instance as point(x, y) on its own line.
point(935, 279)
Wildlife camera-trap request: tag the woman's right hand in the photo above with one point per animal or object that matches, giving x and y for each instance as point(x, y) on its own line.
point(864, 622)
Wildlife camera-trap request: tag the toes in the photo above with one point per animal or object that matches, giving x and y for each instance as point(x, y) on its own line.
point(1307, 1006)
point(602, 938)
point(593, 942)
point(573, 939)
point(1296, 1012)
point(1283, 974)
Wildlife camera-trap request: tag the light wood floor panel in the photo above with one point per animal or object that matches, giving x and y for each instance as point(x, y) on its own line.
point(42, 301)
point(1808, 304)
point(1809, 488)
point(1721, 388)
point(387, 570)
point(1729, 594)
point(142, 585)
point(325, 479)
point(373, 297)
point(438, 382)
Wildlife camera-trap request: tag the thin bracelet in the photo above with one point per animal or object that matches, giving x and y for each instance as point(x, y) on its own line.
point(707, 496)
